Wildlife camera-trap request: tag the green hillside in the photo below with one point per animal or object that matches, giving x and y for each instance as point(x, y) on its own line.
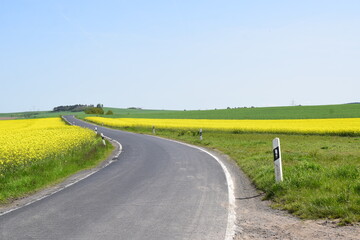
point(294, 112)
point(123, 112)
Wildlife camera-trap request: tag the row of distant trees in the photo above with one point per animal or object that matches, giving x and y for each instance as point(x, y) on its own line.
point(72, 108)
point(88, 109)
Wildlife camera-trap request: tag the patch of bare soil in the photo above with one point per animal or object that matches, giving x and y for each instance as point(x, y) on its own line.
point(255, 219)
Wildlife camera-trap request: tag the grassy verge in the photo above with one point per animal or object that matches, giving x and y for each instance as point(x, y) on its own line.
point(321, 173)
point(20, 181)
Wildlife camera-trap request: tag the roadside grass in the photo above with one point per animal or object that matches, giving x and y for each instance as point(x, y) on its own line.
point(20, 181)
point(321, 173)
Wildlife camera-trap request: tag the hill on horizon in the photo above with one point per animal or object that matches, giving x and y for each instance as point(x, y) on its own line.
point(350, 110)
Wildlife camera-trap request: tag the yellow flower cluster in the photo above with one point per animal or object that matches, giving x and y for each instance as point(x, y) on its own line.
point(24, 141)
point(321, 126)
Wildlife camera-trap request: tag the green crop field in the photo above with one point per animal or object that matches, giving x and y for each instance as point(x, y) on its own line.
point(35, 114)
point(118, 112)
point(293, 112)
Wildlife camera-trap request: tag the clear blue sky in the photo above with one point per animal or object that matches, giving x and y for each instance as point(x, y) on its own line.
point(178, 54)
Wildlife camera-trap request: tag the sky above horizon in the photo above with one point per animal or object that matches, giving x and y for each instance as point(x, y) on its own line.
point(178, 54)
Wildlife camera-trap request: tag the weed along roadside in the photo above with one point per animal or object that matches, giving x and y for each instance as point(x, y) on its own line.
point(321, 172)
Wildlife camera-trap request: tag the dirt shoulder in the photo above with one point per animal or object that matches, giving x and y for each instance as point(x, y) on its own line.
point(255, 219)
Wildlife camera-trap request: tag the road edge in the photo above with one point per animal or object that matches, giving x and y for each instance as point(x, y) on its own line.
point(231, 221)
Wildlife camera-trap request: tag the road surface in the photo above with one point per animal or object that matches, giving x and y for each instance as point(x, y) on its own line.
point(157, 189)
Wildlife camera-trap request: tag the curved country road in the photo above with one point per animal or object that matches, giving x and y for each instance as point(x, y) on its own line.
point(157, 189)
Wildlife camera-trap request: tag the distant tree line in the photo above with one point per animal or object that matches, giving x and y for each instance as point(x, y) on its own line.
point(88, 109)
point(72, 108)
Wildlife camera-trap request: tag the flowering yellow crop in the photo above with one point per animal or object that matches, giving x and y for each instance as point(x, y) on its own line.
point(23, 141)
point(321, 126)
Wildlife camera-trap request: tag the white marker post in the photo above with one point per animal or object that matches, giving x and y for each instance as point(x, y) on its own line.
point(95, 130)
point(277, 160)
point(103, 138)
point(154, 131)
point(200, 133)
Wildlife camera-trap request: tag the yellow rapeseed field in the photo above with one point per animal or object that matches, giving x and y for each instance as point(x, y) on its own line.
point(318, 126)
point(24, 141)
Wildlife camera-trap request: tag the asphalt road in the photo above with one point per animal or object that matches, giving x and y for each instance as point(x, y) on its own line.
point(157, 189)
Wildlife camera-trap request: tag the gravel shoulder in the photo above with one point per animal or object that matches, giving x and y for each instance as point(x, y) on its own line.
point(255, 219)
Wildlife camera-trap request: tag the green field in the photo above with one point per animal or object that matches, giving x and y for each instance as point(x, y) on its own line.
point(117, 112)
point(293, 112)
point(35, 114)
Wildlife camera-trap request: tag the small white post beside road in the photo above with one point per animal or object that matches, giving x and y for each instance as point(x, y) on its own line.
point(277, 160)
point(103, 138)
point(200, 133)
